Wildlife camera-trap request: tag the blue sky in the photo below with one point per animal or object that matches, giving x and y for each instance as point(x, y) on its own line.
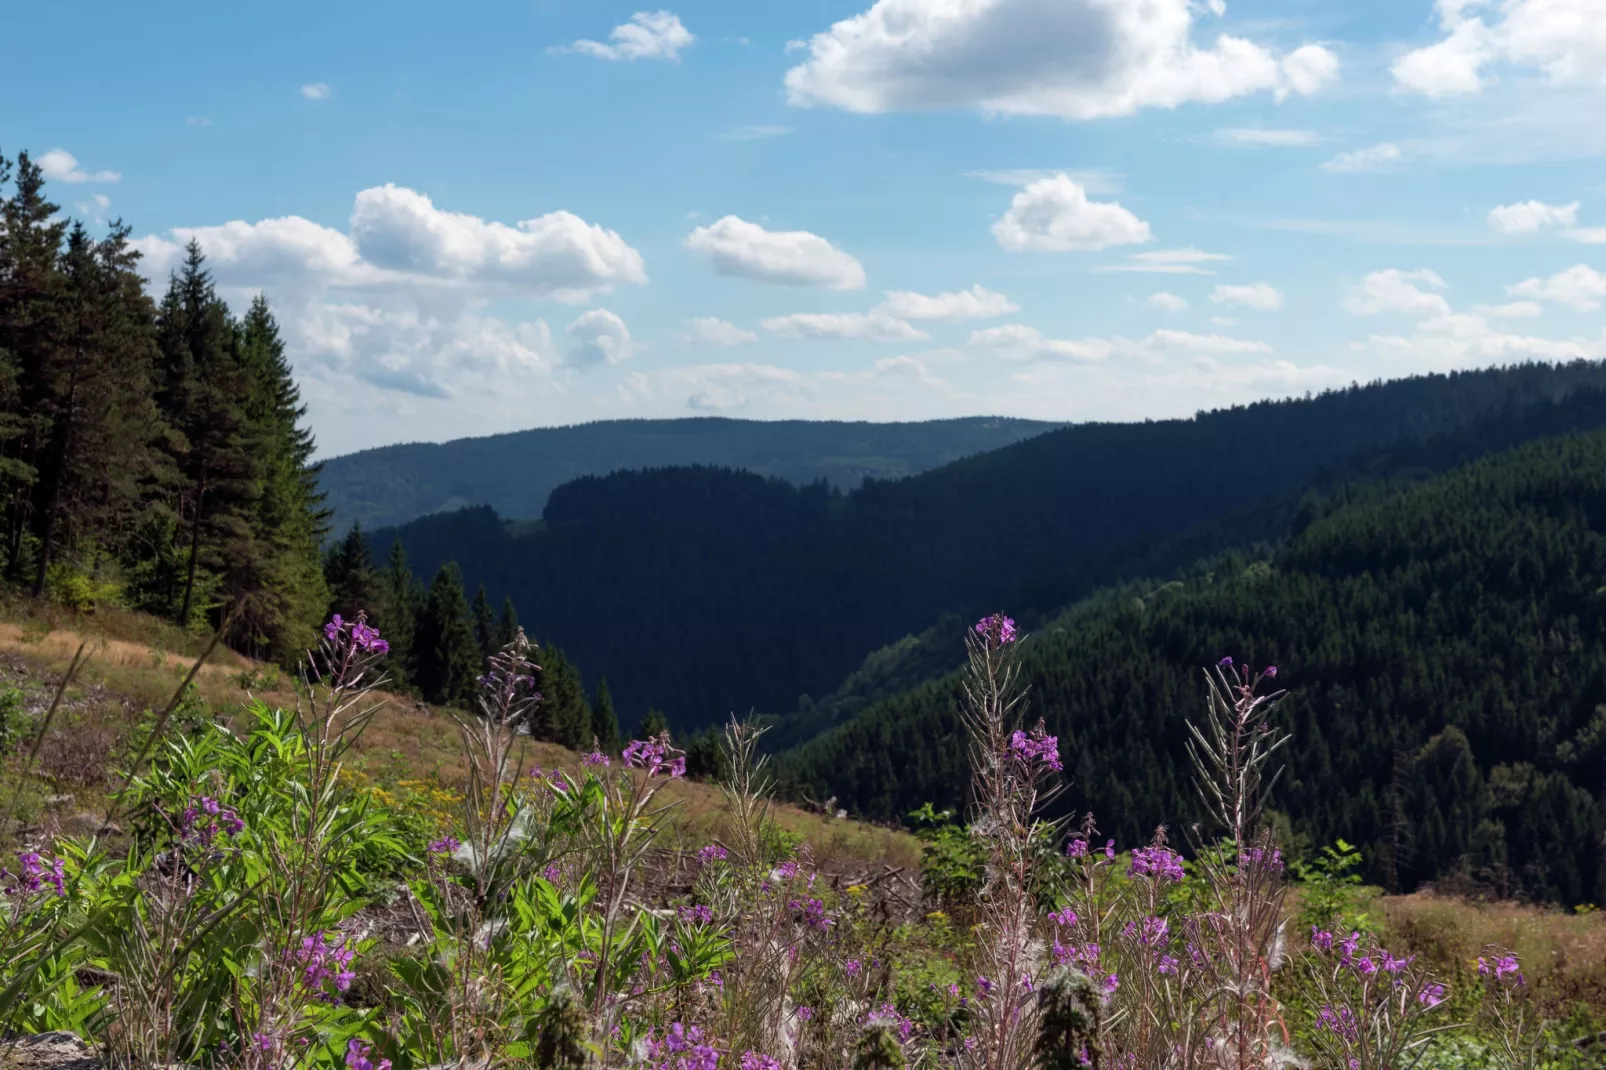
point(502, 215)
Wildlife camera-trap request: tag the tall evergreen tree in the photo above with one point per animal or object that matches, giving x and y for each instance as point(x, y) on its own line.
point(401, 604)
point(484, 622)
point(446, 656)
point(355, 586)
point(653, 723)
point(507, 624)
point(563, 715)
point(604, 721)
point(203, 391)
point(290, 520)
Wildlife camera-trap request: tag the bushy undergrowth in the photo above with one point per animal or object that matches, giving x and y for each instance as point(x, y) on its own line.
point(275, 909)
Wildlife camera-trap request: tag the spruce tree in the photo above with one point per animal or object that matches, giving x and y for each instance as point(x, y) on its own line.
point(354, 584)
point(604, 721)
point(484, 623)
point(653, 723)
point(446, 655)
point(563, 715)
point(401, 603)
point(507, 624)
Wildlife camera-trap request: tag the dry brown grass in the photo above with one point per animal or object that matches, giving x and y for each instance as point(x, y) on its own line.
point(406, 740)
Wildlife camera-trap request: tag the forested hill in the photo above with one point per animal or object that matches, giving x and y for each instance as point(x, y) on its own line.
point(706, 591)
point(515, 473)
point(1444, 647)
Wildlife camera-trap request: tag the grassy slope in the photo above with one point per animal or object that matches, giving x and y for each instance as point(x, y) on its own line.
point(135, 663)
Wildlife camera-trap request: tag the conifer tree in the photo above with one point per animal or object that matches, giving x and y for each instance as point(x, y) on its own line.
point(507, 624)
point(446, 655)
point(484, 623)
point(563, 715)
point(653, 723)
point(354, 584)
point(604, 721)
point(401, 604)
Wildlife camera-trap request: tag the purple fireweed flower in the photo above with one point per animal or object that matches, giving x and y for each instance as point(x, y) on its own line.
point(1339, 1021)
point(1036, 746)
point(1394, 965)
point(655, 756)
point(984, 986)
point(752, 1060)
point(1066, 917)
point(357, 1057)
point(1156, 862)
point(552, 873)
point(697, 914)
point(446, 845)
point(1109, 850)
point(1166, 964)
point(1320, 940)
point(364, 638)
point(33, 873)
point(711, 854)
point(1111, 983)
point(1224, 663)
point(1271, 672)
point(805, 1014)
point(813, 913)
point(325, 962)
point(1077, 848)
point(1258, 855)
point(203, 819)
point(595, 759)
point(887, 1016)
point(1431, 995)
point(997, 630)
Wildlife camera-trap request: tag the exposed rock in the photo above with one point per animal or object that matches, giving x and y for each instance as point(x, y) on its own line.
point(48, 1051)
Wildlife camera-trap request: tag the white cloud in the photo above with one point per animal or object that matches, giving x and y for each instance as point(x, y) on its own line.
point(794, 258)
point(1168, 262)
point(1394, 290)
point(317, 91)
point(1467, 340)
point(1258, 136)
point(648, 35)
point(1075, 59)
point(1565, 40)
point(892, 383)
point(1054, 214)
point(1580, 287)
point(1022, 343)
point(1363, 160)
point(713, 331)
point(845, 326)
point(1530, 217)
point(1589, 235)
point(59, 165)
point(978, 302)
point(558, 254)
point(1261, 296)
point(1513, 310)
point(1167, 302)
point(597, 337)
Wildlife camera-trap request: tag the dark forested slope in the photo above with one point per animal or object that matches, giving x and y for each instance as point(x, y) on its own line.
point(1444, 646)
point(515, 473)
point(705, 591)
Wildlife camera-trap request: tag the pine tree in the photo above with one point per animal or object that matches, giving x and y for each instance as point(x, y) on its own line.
point(31, 282)
point(563, 714)
point(507, 624)
point(653, 723)
point(604, 722)
point(484, 623)
point(291, 521)
point(401, 603)
point(446, 656)
point(203, 391)
point(354, 585)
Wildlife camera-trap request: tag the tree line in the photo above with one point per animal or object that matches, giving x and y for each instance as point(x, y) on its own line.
point(152, 453)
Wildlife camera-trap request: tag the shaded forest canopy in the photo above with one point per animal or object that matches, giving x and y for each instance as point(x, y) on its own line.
point(635, 574)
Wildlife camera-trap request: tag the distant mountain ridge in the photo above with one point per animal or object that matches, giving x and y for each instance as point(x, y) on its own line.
point(515, 473)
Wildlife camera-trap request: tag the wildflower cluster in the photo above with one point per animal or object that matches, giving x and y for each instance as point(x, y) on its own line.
point(1036, 746)
point(998, 630)
point(204, 818)
point(34, 873)
point(655, 756)
point(324, 963)
point(357, 1057)
point(680, 1047)
point(358, 633)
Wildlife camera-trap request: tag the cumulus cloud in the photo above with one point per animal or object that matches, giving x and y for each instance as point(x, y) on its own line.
point(396, 301)
point(1101, 183)
point(1257, 137)
point(648, 35)
point(555, 254)
point(1074, 59)
point(1511, 310)
point(978, 302)
point(1360, 161)
point(59, 165)
point(713, 331)
point(892, 382)
point(1564, 40)
point(845, 327)
point(1261, 296)
point(792, 258)
point(1579, 287)
point(1394, 290)
point(317, 91)
point(1168, 262)
point(1055, 215)
point(1167, 302)
point(597, 337)
point(1530, 217)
